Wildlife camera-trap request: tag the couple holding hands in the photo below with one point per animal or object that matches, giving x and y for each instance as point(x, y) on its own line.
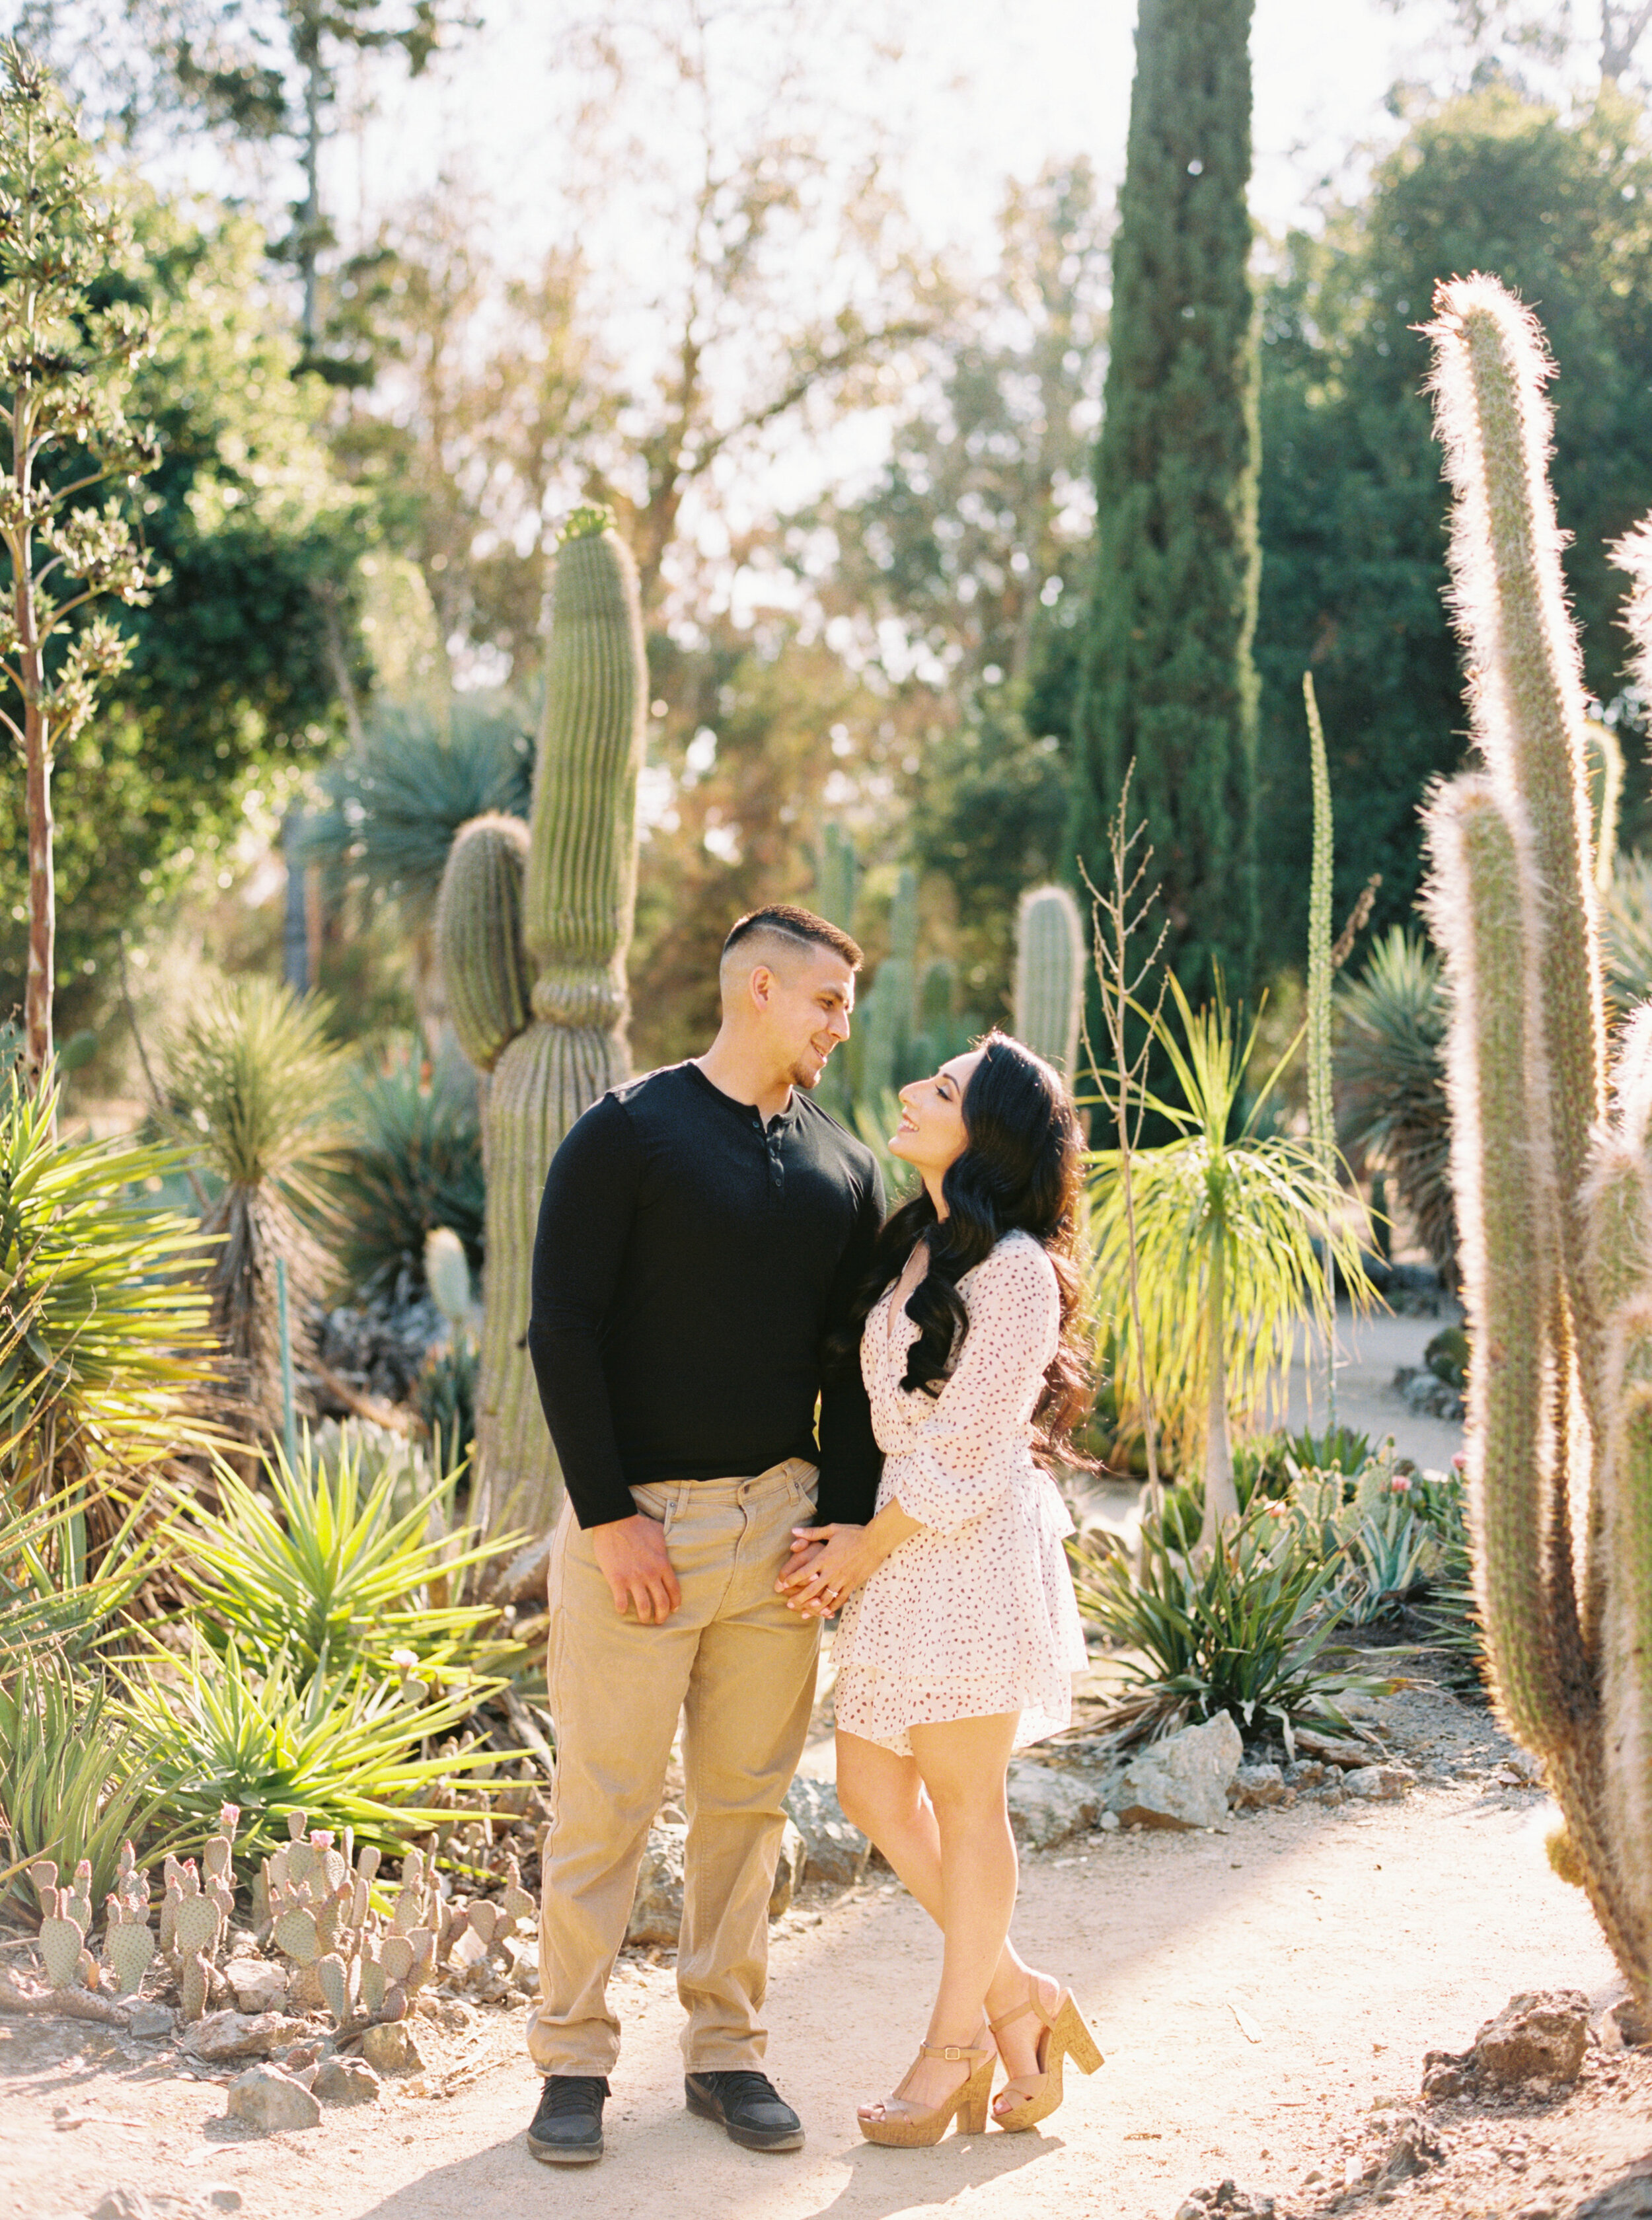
point(713, 1261)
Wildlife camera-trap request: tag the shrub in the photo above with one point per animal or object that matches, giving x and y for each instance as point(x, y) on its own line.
point(411, 1161)
point(1243, 1628)
point(1392, 1076)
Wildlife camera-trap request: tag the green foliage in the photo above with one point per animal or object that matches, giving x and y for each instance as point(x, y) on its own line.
point(1243, 1629)
point(1228, 1221)
point(231, 676)
point(63, 1587)
point(349, 1749)
point(73, 1784)
point(444, 1396)
point(103, 1339)
point(1166, 680)
point(1051, 966)
point(257, 1079)
point(1626, 932)
point(397, 800)
point(1392, 1074)
point(1560, 206)
point(409, 1159)
point(327, 1574)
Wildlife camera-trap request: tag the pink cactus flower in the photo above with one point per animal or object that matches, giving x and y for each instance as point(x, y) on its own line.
point(1400, 1484)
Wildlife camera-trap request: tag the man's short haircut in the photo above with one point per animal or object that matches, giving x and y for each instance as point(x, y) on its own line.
point(786, 921)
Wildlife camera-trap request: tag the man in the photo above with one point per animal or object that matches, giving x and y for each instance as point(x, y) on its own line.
point(704, 1232)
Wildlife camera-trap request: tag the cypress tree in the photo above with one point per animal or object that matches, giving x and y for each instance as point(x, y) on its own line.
point(1166, 676)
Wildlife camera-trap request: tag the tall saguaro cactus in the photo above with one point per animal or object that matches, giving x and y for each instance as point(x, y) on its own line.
point(1050, 974)
point(1551, 1165)
point(532, 933)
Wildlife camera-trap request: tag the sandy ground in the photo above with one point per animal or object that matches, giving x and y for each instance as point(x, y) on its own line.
point(1351, 1940)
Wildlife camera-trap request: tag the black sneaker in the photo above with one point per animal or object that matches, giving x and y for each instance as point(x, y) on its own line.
point(567, 2128)
point(748, 2106)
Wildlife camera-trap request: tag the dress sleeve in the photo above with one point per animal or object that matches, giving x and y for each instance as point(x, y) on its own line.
point(955, 1469)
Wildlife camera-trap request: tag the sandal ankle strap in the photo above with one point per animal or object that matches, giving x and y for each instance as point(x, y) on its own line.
point(953, 2052)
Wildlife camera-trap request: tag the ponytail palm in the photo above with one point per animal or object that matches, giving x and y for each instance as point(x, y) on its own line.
point(1228, 1218)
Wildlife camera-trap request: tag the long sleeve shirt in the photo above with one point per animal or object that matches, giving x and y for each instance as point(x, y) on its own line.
point(690, 1264)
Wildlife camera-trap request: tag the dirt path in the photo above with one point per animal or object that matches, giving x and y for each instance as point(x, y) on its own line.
point(1352, 1941)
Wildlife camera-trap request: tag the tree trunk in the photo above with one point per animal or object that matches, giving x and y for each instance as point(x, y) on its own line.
point(37, 754)
point(1221, 1498)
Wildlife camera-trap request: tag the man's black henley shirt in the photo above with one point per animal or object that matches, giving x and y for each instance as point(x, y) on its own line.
point(690, 1263)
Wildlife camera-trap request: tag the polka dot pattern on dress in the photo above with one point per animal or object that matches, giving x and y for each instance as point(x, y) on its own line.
point(975, 1614)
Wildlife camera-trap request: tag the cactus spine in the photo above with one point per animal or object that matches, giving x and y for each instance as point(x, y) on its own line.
point(577, 896)
point(1049, 975)
point(1552, 1181)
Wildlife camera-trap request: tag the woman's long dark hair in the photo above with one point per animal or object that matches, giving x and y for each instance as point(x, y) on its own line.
point(1020, 1170)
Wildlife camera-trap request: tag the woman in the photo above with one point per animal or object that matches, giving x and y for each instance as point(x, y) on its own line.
point(960, 1634)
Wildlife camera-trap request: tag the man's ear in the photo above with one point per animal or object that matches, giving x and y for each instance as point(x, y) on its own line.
point(760, 985)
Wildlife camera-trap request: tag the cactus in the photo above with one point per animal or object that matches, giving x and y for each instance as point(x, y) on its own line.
point(63, 1942)
point(566, 1048)
point(1049, 975)
point(836, 888)
point(1550, 1168)
point(886, 1012)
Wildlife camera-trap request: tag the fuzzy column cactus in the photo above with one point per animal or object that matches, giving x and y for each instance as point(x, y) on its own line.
point(1049, 975)
point(532, 930)
point(1550, 1168)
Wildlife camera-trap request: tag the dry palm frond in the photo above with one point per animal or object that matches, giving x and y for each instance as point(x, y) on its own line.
point(258, 1081)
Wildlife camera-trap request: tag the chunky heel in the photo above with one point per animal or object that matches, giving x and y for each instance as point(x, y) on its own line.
point(1075, 2038)
point(902, 2128)
point(1062, 2033)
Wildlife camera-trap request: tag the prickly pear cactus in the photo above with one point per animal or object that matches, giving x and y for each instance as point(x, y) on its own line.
point(62, 1940)
point(128, 1949)
point(578, 896)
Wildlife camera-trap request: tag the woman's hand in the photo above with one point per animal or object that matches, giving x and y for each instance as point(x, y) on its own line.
point(830, 1562)
point(827, 1565)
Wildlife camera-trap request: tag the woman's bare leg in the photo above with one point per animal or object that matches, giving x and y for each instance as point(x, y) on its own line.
point(940, 1820)
point(884, 1795)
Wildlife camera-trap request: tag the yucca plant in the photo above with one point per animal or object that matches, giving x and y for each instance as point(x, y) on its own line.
point(1392, 1067)
point(256, 1081)
point(410, 1160)
point(73, 1782)
point(1242, 1628)
point(1230, 1221)
point(330, 1573)
point(396, 800)
point(63, 1585)
point(104, 1346)
point(349, 1747)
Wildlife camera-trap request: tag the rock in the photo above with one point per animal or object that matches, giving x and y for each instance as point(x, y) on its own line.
point(389, 2048)
point(1630, 2021)
point(1539, 2036)
point(1414, 2149)
point(267, 2099)
point(147, 2021)
point(1046, 1806)
point(259, 1986)
point(1181, 1782)
point(788, 1870)
point(1255, 1786)
point(1380, 1784)
point(1628, 2197)
point(221, 2036)
point(1306, 1773)
point(833, 1851)
point(1108, 1822)
point(346, 2081)
point(657, 1908)
point(1226, 2199)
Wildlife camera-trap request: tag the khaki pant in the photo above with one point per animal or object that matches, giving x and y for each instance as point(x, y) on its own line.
point(739, 1668)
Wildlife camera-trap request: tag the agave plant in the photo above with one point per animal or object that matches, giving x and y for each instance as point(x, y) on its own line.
point(1243, 1628)
point(1229, 1220)
point(349, 1747)
point(410, 1161)
point(104, 1347)
point(256, 1081)
point(1392, 1071)
point(330, 1572)
point(73, 1783)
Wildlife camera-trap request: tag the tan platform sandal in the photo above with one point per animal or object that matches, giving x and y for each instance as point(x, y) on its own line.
point(905, 2128)
point(1063, 2034)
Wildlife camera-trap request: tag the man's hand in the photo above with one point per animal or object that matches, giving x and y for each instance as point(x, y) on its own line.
point(630, 1556)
